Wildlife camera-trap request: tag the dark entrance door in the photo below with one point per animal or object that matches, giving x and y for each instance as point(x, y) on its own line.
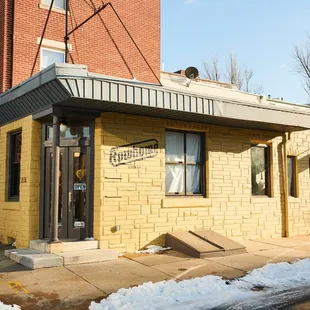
point(73, 191)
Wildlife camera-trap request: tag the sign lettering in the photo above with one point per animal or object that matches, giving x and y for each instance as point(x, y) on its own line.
point(125, 154)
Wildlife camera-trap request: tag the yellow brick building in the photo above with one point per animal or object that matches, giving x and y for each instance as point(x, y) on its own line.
point(135, 161)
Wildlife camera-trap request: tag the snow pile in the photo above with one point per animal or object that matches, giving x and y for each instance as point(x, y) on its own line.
point(152, 249)
point(208, 291)
point(8, 307)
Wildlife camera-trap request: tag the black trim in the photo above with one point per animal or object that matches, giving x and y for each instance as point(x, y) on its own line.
point(293, 191)
point(267, 159)
point(201, 164)
point(85, 142)
point(13, 184)
point(42, 186)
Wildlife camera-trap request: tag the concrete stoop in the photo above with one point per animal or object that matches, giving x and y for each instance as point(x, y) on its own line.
point(43, 255)
point(34, 259)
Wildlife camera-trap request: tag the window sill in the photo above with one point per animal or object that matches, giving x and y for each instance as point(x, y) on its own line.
point(10, 205)
point(57, 10)
point(259, 199)
point(185, 202)
point(293, 199)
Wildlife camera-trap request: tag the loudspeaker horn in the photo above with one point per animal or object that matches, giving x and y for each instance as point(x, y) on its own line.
point(191, 73)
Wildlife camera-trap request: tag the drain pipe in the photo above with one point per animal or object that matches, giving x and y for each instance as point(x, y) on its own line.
point(286, 222)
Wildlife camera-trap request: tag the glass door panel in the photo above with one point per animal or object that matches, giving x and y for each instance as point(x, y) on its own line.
point(62, 199)
point(78, 187)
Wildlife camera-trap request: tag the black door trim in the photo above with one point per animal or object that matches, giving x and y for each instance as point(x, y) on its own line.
point(90, 192)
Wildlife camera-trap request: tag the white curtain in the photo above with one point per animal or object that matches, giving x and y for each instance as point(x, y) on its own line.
point(175, 179)
point(174, 147)
point(193, 179)
point(175, 174)
point(193, 148)
point(289, 175)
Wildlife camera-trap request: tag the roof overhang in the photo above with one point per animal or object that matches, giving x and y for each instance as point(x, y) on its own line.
point(72, 86)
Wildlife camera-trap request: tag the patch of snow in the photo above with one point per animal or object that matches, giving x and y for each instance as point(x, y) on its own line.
point(209, 291)
point(152, 249)
point(89, 239)
point(8, 307)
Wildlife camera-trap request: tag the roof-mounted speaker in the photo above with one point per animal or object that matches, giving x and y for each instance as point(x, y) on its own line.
point(191, 73)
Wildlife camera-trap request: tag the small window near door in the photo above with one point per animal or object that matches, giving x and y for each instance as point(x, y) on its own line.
point(292, 179)
point(49, 57)
point(61, 4)
point(15, 147)
point(70, 133)
point(260, 170)
point(184, 163)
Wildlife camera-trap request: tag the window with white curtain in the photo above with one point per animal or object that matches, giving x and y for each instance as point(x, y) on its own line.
point(57, 3)
point(260, 170)
point(291, 176)
point(184, 163)
point(49, 56)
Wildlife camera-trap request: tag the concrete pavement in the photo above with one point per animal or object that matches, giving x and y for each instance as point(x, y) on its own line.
point(74, 287)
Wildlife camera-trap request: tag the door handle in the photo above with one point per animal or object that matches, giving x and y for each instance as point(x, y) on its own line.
point(69, 200)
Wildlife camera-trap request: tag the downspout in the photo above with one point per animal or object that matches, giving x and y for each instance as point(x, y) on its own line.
point(285, 215)
point(12, 45)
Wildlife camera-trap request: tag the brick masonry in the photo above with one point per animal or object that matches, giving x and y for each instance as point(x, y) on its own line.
point(99, 44)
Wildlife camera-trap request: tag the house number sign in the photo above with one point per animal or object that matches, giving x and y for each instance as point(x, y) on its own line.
point(125, 154)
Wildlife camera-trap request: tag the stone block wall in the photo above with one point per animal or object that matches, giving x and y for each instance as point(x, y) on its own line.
point(133, 195)
point(20, 219)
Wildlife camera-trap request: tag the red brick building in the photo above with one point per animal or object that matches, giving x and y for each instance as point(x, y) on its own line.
point(102, 43)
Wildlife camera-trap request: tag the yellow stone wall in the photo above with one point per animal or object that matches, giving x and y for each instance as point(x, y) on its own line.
point(299, 208)
point(133, 195)
point(20, 220)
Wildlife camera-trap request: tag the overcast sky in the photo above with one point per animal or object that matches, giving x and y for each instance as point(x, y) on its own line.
point(261, 33)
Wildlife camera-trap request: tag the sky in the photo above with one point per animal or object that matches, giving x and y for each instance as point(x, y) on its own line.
point(261, 33)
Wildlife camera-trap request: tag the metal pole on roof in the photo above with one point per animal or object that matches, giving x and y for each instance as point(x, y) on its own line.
point(42, 37)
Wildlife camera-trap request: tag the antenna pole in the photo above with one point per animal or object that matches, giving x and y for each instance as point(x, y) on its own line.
point(66, 36)
point(42, 37)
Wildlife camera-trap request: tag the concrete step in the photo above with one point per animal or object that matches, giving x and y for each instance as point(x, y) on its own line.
point(44, 246)
point(90, 256)
point(80, 245)
point(34, 259)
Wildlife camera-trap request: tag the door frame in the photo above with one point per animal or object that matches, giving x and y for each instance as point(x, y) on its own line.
point(90, 193)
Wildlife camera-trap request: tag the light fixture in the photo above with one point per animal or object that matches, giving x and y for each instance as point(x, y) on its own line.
point(63, 125)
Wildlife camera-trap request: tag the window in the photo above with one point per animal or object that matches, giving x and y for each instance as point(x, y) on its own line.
point(184, 163)
point(292, 176)
point(57, 3)
point(15, 146)
point(48, 57)
point(260, 170)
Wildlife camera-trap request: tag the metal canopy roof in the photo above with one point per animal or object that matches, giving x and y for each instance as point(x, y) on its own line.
point(65, 85)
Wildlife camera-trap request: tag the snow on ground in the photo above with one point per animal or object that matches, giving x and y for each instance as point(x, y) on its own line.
point(152, 249)
point(8, 307)
point(209, 291)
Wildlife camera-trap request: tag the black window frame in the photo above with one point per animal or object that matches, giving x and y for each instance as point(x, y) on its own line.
point(202, 164)
point(12, 166)
point(294, 177)
point(267, 155)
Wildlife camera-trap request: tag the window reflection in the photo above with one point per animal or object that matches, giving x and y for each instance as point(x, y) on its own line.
point(70, 133)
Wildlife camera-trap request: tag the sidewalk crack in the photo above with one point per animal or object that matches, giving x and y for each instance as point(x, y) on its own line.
point(76, 274)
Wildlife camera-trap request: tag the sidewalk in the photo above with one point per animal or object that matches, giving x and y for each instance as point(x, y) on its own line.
point(74, 287)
